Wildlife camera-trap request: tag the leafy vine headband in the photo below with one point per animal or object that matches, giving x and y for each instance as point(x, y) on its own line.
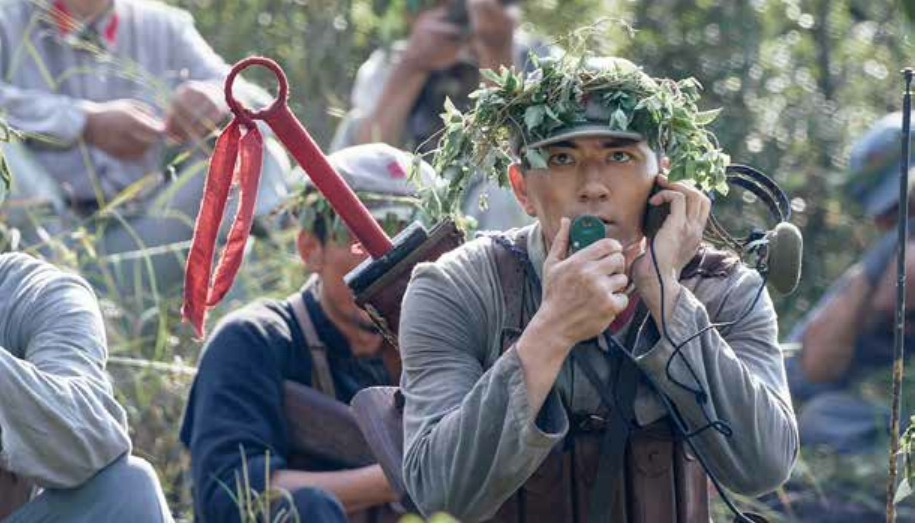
point(515, 115)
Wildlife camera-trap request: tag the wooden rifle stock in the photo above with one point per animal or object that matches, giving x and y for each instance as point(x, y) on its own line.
point(379, 284)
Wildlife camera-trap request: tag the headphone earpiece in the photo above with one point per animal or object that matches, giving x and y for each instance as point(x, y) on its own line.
point(784, 257)
point(779, 250)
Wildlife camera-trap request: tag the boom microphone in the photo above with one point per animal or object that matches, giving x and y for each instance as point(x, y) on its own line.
point(784, 257)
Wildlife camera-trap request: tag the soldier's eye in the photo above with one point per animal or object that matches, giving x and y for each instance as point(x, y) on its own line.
point(619, 156)
point(560, 159)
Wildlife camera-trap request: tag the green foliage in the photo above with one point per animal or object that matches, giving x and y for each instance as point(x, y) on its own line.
point(515, 110)
point(153, 394)
point(907, 452)
point(271, 505)
point(6, 179)
point(847, 486)
point(310, 207)
point(259, 507)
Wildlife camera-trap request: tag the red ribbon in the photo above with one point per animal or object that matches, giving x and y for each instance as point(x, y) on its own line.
point(236, 158)
point(241, 154)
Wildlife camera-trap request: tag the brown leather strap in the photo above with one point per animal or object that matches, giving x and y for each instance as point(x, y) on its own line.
point(609, 492)
point(321, 369)
point(512, 278)
point(379, 414)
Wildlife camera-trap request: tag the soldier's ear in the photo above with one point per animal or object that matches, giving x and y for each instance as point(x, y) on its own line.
point(311, 251)
point(519, 184)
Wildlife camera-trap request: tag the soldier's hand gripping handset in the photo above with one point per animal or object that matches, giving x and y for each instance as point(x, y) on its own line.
point(582, 294)
point(672, 239)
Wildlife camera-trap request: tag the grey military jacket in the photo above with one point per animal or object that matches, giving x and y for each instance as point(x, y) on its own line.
point(59, 421)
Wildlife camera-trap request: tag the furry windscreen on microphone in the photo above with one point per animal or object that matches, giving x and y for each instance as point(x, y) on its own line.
point(785, 257)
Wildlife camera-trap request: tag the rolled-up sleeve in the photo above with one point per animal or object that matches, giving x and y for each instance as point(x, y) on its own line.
point(740, 368)
point(471, 437)
point(59, 421)
point(57, 119)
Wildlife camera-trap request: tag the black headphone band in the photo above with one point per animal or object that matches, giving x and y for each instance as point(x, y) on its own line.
point(761, 194)
point(762, 187)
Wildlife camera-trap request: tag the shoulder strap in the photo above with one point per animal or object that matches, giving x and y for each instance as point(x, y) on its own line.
point(321, 369)
point(511, 265)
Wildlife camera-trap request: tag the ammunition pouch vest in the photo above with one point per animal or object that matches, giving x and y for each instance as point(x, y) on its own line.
point(607, 469)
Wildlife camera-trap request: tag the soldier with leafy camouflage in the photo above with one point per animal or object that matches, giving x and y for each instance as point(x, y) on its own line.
point(516, 405)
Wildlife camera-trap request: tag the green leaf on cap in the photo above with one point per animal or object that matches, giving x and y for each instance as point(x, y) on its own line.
point(552, 114)
point(535, 158)
point(514, 107)
point(704, 118)
point(492, 76)
point(619, 120)
point(534, 115)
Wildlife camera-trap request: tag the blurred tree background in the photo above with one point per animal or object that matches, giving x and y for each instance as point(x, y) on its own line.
point(798, 82)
